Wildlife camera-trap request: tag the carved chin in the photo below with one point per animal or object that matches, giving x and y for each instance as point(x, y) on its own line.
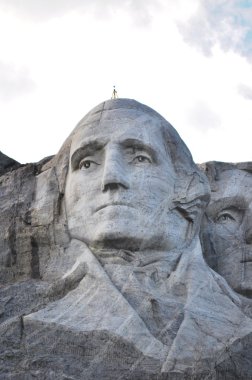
point(127, 228)
point(113, 234)
point(129, 237)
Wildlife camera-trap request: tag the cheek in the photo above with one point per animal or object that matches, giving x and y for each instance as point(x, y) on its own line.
point(176, 224)
point(226, 238)
point(79, 187)
point(71, 192)
point(153, 183)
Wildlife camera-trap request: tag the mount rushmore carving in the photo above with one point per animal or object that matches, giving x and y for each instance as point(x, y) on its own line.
point(120, 258)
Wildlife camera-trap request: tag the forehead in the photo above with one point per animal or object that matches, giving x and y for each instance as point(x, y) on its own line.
point(234, 183)
point(117, 125)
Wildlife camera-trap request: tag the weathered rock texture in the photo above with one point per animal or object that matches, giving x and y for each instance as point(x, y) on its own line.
point(102, 271)
point(7, 164)
point(227, 225)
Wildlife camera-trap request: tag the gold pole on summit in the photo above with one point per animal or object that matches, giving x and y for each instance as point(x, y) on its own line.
point(114, 94)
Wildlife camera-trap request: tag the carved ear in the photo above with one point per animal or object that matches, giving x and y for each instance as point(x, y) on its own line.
point(192, 210)
point(192, 195)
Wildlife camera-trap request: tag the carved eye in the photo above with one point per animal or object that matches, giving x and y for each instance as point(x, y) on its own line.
point(142, 159)
point(86, 164)
point(225, 217)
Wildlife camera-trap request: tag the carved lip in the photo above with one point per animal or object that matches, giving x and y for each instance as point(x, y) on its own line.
point(113, 204)
point(247, 258)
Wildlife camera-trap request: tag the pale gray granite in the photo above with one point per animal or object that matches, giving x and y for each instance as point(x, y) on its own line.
point(102, 270)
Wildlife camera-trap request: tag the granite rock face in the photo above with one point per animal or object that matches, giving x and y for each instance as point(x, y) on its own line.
point(7, 164)
point(102, 270)
point(227, 225)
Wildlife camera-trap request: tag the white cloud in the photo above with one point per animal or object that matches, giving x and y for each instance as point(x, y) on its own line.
point(227, 23)
point(245, 91)
point(202, 117)
point(14, 81)
point(41, 10)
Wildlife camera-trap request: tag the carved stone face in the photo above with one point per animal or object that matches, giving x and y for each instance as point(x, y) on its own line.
point(120, 185)
point(230, 215)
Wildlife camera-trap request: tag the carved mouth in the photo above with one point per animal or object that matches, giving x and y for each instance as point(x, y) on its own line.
point(247, 258)
point(246, 254)
point(112, 204)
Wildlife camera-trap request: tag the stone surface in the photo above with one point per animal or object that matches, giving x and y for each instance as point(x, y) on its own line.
point(7, 164)
point(227, 228)
point(102, 271)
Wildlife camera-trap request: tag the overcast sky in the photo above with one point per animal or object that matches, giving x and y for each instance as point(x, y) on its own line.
point(190, 60)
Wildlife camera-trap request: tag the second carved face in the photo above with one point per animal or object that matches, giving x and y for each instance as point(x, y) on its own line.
point(227, 232)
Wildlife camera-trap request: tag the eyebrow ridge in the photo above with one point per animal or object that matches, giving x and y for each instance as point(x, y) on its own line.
point(87, 148)
point(225, 203)
point(138, 144)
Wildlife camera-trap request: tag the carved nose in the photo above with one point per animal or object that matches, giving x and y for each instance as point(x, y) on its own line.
point(114, 176)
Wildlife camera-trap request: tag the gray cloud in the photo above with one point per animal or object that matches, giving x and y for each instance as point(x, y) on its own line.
point(40, 10)
point(14, 81)
point(245, 91)
point(203, 118)
point(228, 23)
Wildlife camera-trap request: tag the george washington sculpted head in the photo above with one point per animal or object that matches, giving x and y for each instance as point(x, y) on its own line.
point(131, 181)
